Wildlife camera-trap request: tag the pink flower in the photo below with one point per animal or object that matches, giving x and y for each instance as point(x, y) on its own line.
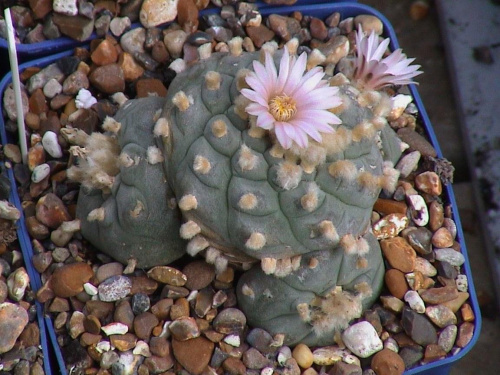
point(373, 72)
point(292, 104)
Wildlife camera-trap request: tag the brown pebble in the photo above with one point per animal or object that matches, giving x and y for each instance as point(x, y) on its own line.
point(131, 69)
point(123, 342)
point(387, 362)
point(465, 334)
point(467, 313)
point(162, 308)
point(179, 309)
point(184, 328)
point(124, 314)
point(59, 304)
point(199, 274)
point(389, 206)
point(318, 29)
point(36, 229)
point(442, 238)
point(105, 53)
point(92, 324)
point(259, 34)
point(437, 296)
point(187, 15)
point(68, 280)
point(100, 309)
point(30, 336)
point(87, 339)
point(433, 352)
point(429, 182)
point(143, 284)
point(51, 211)
point(144, 324)
point(146, 87)
point(396, 282)
point(160, 346)
point(38, 102)
point(399, 253)
point(436, 215)
point(167, 275)
point(108, 78)
point(234, 366)
point(199, 348)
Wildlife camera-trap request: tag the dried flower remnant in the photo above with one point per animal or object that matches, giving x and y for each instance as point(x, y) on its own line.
point(374, 72)
point(292, 104)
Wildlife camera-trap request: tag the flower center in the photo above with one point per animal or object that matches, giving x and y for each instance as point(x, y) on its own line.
point(282, 107)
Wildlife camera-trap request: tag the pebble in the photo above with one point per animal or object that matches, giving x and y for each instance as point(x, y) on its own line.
point(261, 340)
point(420, 240)
point(167, 275)
point(230, 320)
point(436, 213)
point(425, 267)
point(303, 355)
point(408, 163)
point(119, 25)
point(68, 7)
point(144, 324)
point(199, 274)
point(40, 172)
point(105, 53)
point(255, 360)
point(114, 288)
point(184, 328)
point(415, 301)
point(387, 362)
point(115, 328)
point(396, 282)
point(390, 226)
point(418, 327)
point(416, 142)
point(199, 348)
point(76, 27)
point(76, 327)
point(123, 342)
point(108, 78)
point(369, 23)
point(52, 88)
point(140, 303)
point(13, 320)
point(451, 256)
point(75, 82)
point(441, 315)
point(17, 282)
point(399, 253)
point(462, 283)
point(156, 12)
point(362, 339)
point(447, 337)
point(51, 144)
point(429, 182)
point(465, 334)
point(392, 303)
point(284, 27)
point(51, 211)
point(67, 281)
point(124, 314)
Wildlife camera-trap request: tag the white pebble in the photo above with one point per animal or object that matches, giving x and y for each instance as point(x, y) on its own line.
point(103, 346)
point(362, 339)
point(391, 344)
point(115, 328)
point(233, 340)
point(450, 255)
point(51, 144)
point(142, 348)
point(462, 283)
point(178, 65)
point(84, 99)
point(415, 301)
point(67, 7)
point(52, 88)
point(90, 289)
point(267, 371)
point(425, 267)
point(40, 172)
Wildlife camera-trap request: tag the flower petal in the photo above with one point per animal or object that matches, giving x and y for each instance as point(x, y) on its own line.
point(254, 96)
point(265, 121)
point(283, 139)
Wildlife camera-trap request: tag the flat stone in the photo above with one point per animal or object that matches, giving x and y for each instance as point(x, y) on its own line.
point(199, 348)
point(144, 324)
point(13, 320)
point(230, 320)
point(123, 342)
point(143, 284)
point(114, 288)
point(451, 256)
point(67, 281)
point(124, 314)
point(389, 206)
point(387, 362)
point(418, 327)
point(167, 275)
point(362, 339)
point(255, 360)
point(108, 78)
point(441, 315)
point(199, 275)
point(184, 328)
point(146, 87)
point(392, 303)
point(436, 296)
point(433, 352)
point(156, 12)
point(100, 309)
point(465, 334)
point(399, 253)
point(162, 308)
point(447, 337)
point(77, 27)
point(416, 142)
point(396, 282)
point(107, 270)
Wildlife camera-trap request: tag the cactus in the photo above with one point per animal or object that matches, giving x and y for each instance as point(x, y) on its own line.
point(297, 218)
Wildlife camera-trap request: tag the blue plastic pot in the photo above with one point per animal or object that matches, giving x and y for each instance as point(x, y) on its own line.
point(346, 9)
point(32, 51)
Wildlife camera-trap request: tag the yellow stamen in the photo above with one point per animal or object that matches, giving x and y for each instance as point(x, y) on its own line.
point(282, 107)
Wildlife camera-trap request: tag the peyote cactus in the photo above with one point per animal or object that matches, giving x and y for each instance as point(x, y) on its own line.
point(291, 208)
